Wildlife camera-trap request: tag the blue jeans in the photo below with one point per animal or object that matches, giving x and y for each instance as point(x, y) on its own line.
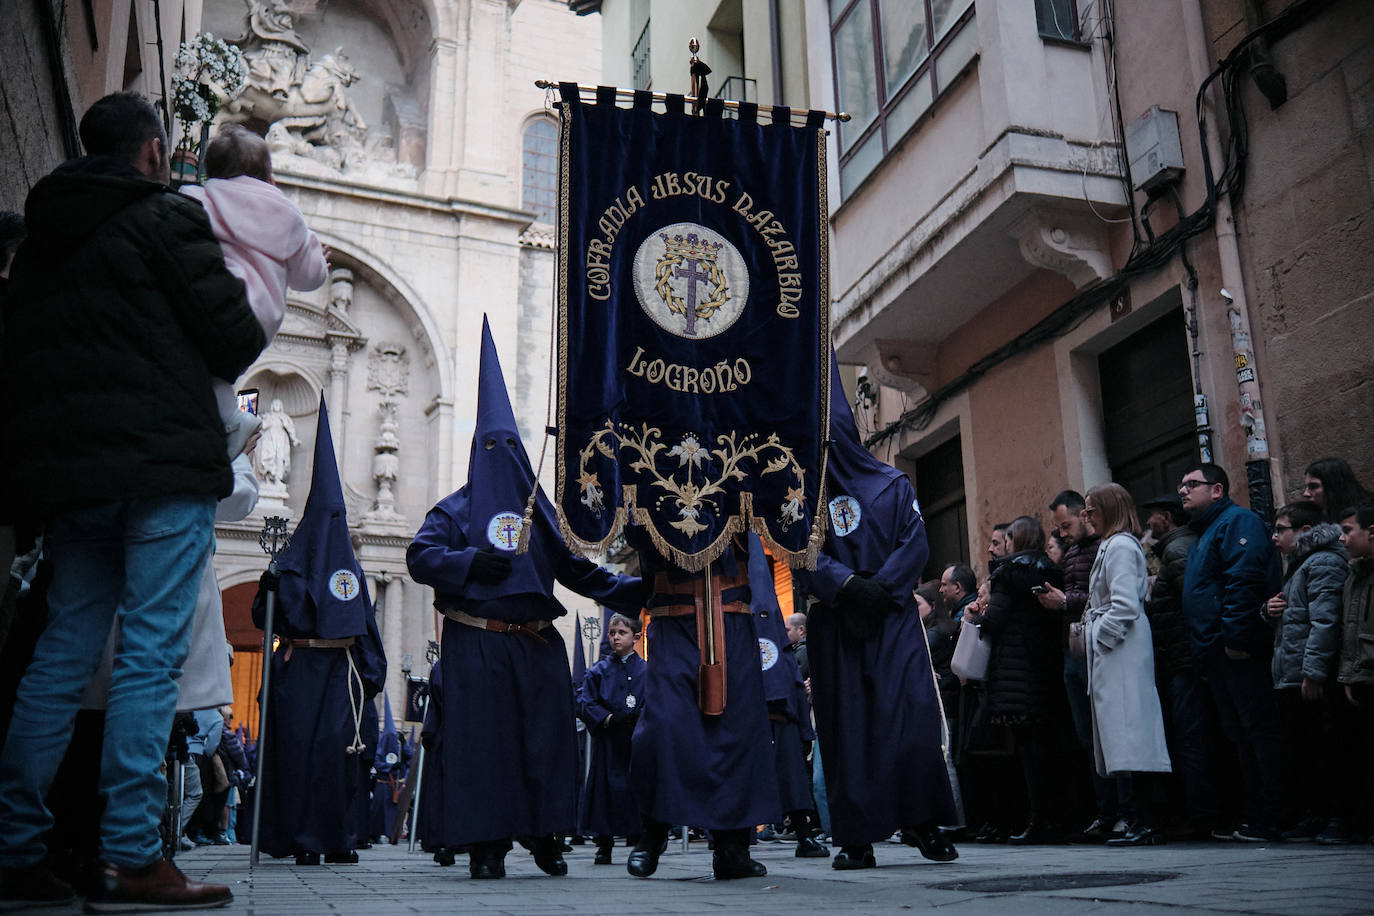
point(138, 562)
point(818, 788)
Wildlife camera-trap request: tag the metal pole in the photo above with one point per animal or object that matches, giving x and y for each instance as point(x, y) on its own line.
point(273, 539)
point(419, 784)
point(262, 715)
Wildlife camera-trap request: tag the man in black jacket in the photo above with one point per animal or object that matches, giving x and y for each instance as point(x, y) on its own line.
point(1180, 685)
point(1112, 794)
point(119, 311)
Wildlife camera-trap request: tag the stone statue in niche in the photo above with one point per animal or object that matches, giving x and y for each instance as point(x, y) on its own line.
point(272, 460)
point(302, 101)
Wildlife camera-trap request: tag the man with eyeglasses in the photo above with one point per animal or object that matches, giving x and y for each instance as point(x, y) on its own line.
point(1232, 570)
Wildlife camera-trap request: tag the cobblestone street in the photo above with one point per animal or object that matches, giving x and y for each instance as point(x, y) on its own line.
point(1061, 880)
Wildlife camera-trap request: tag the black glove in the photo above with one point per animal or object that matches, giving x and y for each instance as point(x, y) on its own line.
point(622, 721)
point(488, 567)
point(269, 581)
point(861, 607)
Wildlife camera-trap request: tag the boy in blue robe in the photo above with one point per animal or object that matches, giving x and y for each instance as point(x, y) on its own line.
point(610, 700)
point(711, 771)
point(789, 711)
point(872, 685)
point(326, 669)
point(510, 754)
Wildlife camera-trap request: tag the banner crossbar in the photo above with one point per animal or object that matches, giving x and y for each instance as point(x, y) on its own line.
point(730, 104)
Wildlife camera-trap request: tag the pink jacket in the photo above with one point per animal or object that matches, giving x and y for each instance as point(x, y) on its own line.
point(266, 243)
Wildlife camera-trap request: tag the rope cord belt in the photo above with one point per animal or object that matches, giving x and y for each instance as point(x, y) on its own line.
point(355, 703)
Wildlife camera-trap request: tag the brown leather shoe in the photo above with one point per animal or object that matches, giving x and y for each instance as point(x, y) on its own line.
point(159, 886)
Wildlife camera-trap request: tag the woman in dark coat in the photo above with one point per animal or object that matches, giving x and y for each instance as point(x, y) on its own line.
point(1025, 675)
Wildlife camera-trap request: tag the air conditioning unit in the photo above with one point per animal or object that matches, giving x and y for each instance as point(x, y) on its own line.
point(1153, 149)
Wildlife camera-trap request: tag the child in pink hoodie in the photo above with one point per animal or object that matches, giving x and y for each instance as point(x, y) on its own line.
point(266, 244)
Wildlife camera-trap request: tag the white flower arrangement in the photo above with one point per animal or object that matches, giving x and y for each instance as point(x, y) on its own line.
point(209, 69)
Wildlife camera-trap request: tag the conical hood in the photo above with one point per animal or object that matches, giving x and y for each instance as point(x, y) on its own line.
point(500, 479)
point(852, 470)
point(389, 746)
point(579, 668)
point(323, 591)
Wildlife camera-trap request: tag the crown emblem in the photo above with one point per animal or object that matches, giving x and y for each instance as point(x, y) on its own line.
point(689, 247)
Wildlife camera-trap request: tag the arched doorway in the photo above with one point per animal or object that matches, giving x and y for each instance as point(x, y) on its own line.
point(246, 672)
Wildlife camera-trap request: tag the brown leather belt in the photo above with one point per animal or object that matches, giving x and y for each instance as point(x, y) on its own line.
point(293, 643)
point(711, 671)
point(687, 610)
point(529, 628)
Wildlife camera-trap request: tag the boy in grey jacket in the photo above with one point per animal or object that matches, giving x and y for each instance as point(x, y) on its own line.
point(1307, 648)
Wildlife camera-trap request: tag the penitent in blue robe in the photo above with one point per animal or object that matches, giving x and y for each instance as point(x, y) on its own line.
point(789, 711)
point(612, 685)
point(509, 740)
point(714, 772)
point(877, 707)
point(314, 789)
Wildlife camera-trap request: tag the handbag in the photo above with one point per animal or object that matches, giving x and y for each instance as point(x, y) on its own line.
point(1078, 639)
point(971, 653)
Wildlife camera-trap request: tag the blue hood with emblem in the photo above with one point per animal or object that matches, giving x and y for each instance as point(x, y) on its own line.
point(491, 507)
point(323, 592)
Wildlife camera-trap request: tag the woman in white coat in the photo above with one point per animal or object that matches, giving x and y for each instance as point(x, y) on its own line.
point(1128, 727)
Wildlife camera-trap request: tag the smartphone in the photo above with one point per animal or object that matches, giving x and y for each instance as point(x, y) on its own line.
point(1038, 590)
point(248, 401)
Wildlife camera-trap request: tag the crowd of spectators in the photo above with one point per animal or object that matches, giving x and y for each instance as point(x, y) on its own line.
point(1178, 670)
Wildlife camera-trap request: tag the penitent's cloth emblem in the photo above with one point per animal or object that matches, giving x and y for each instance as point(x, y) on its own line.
point(690, 280)
point(343, 585)
point(845, 514)
point(768, 653)
point(630, 701)
point(503, 531)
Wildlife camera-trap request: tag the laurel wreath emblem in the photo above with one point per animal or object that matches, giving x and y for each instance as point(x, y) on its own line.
point(663, 273)
point(691, 497)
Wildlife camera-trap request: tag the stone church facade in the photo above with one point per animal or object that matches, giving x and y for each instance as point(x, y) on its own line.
point(411, 135)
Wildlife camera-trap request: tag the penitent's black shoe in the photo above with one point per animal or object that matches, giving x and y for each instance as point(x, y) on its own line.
point(850, 858)
point(928, 838)
point(347, 857)
point(307, 858)
point(808, 847)
point(548, 855)
point(643, 860)
point(603, 856)
point(445, 857)
point(730, 862)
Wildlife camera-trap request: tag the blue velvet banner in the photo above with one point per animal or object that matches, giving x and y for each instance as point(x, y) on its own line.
point(693, 328)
